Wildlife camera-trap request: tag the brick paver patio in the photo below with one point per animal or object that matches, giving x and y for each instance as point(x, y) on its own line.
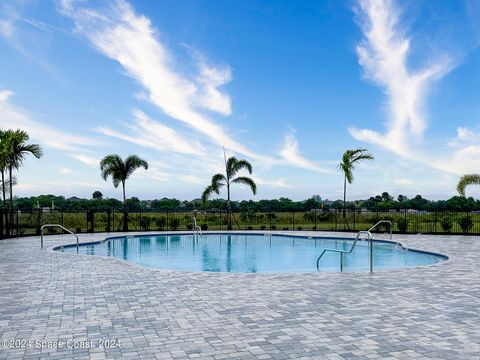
point(429, 312)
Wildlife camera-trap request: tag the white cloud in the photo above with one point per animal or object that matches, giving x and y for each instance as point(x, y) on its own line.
point(383, 55)
point(130, 39)
point(193, 179)
point(291, 155)
point(146, 132)
point(404, 181)
point(88, 160)
point(14, 117)
point(276, 183)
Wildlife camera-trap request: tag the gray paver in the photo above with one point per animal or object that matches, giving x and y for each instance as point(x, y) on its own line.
point(420, 313)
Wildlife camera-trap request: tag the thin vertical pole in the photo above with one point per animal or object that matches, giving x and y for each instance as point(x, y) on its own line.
point(371, 256)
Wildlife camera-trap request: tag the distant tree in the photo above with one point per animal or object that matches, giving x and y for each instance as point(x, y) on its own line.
point(386, 196)
point(351, 158)
point(232, 167)
point(466, 180)
point(120, 170)
point(402, 198)
point(97, 195)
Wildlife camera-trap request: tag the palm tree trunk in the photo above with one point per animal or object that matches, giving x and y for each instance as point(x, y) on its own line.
point(10, 181)
point(4, 213)
point(345, 224)
point(229, 209)
point(125, 215)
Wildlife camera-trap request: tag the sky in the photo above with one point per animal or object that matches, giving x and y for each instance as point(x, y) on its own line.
point(287, 85)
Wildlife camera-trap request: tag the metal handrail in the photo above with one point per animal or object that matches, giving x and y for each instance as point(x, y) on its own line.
point(383, 222)
point(341, 252)
point(196, 229)
point(55, 225)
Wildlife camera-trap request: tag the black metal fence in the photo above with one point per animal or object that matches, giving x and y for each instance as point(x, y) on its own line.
point(25, 223)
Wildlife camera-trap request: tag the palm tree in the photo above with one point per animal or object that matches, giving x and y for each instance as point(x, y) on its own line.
point(465, 180)
point(349, 159)
point(16, 149)
point(3, 168)
point(120, 170)
point(232, 167)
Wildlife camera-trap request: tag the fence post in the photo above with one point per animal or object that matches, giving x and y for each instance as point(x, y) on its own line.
point(38, 222)
point(293, 220)
point(109, 220)
point(336, 220)
point(354, 220)
point(167, 219)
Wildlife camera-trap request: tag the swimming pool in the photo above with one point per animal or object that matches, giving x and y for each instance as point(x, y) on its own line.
point(252, 253)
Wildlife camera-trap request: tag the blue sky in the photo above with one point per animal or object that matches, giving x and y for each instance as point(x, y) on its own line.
point(288, 85)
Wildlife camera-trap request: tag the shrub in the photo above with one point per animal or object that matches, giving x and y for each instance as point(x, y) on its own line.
point(402, 225)
point(249, 228)
point(446, 223)
point(465, 223)
point(204, 227)
point(161, 222)
point(285, 228)
point(314, 228)
point(263, 227)
point(174, 223)
point(273, 227)
point(299, 228)
point(145, 222)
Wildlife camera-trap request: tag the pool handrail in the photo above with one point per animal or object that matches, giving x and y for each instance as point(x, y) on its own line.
point(196, 229)
point(383, 222)
point(341, 252)
point(55, 225)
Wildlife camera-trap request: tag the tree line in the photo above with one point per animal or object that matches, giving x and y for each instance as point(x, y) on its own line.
point(381, 202)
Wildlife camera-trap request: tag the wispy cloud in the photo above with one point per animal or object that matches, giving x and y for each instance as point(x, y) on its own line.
point(14, 116)
point(87, 160)
point(147, 132)
point(291, 155)
point(383, 55)
point(275, 183)
point(130, 39)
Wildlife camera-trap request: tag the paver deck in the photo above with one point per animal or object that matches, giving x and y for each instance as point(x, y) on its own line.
point(428, 312)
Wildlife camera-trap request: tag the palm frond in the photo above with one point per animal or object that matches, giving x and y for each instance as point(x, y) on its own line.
point(218, 178)
point(132, 163)
point(465, 180)
point(246, 181)
point(15, 148)
point(230, 166)
point(243, 164)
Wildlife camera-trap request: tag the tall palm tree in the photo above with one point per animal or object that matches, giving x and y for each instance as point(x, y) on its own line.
point(232, 167)
point(465, 180)
point(349, 159)
point(17, 148)
point(3, 168)
point(120, 170)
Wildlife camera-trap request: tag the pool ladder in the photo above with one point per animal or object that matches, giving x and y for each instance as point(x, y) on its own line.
point(55, 225)
point(369, 238)
point(196, 229)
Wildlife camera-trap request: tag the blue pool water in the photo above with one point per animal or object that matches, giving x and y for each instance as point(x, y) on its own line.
point(252, 253)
